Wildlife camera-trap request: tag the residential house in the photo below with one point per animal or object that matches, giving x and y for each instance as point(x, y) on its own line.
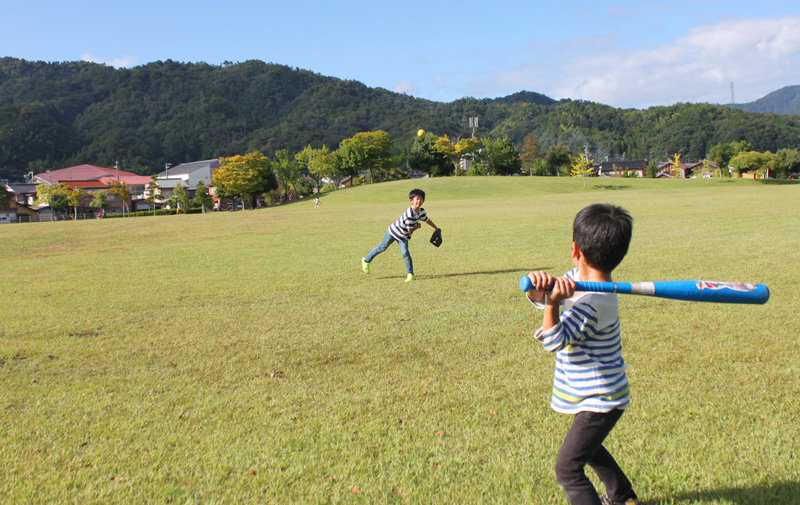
point(188, 175)
point(624, 168)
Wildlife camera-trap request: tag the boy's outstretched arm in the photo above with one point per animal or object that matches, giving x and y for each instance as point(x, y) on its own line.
point(431, 223)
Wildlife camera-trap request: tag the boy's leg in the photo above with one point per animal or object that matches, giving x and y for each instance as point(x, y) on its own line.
point(406, 256)
point(584, 443)
point(618, 487)
point(386, 242)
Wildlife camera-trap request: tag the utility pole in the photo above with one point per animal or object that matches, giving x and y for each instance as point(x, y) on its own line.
point(116, 167)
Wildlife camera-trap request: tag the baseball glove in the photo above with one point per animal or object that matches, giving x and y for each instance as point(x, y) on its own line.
point(436, 238)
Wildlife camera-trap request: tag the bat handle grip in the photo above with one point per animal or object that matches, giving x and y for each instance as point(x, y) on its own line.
point(525, 284)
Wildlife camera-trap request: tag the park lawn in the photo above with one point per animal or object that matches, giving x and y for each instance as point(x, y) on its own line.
point(243, 357)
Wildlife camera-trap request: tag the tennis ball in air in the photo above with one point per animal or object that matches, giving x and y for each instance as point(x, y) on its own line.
point(421, 132)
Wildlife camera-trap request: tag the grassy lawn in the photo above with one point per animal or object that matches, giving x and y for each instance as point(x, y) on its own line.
point(243, 357)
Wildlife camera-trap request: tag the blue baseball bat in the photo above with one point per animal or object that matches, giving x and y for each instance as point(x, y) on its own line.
point(692, 291)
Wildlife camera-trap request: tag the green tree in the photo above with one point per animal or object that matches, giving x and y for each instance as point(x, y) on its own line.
point(366, 151)
point(180, 197)
point(424, 157)
point(54, 195)
point(320, 163)
point(721, 154)
point(202, 197)
point(75, 197)
point(242, 176)
point(789, 162)
point(751, 162)
point(454, 150)
point(531, 153)
point(153, 192)
point(288, 171)
point(652, 168)
point(99, 200)
point(557, 156)
point(502, 158)
point(122, 191)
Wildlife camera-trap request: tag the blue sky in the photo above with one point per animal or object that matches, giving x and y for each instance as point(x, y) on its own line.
point(622, 53)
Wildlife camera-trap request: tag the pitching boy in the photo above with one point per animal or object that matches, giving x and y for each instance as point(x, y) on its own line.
point(400, 231)
point(583, 329)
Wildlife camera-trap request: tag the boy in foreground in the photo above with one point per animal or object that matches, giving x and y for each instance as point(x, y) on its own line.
point(400, 231)
point(583, 330)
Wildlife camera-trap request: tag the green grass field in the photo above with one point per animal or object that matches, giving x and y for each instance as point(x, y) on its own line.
point(244, 357)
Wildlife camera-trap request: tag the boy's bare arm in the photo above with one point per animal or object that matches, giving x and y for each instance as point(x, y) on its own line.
point(433, 225)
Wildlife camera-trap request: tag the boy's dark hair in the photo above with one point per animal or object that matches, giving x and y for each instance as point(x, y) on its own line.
point(416, 192)
point(603, 234)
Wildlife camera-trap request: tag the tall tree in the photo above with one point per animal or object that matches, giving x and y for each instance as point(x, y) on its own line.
point(181, 199)
point(122, 191)
point(202, 197)
point(153, 192)
point(242, 176)
point(557, 156)
point(75, 197)
point(288, 171)
point(531, 153)
point(366, 151)
point(424, 157)
point(99, 200)
point(54, 195)
point(456, 149)
point(502, 158)
point(320, 163)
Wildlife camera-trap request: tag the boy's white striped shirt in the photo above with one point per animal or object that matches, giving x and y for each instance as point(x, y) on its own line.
point(590, 372)
point(409, 219)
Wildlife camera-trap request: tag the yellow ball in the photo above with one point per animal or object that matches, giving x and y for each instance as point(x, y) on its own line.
point(421, 132)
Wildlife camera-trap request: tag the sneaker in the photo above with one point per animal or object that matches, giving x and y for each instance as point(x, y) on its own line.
point(605, 500)
point(410, 277)
point(364, 265)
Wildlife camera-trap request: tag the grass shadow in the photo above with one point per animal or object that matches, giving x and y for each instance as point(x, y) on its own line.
point(611, 187)
point(782, 492)
point(520, 271)
point(777, 182)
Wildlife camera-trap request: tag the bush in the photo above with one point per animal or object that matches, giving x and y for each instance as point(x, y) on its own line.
point(327, 188)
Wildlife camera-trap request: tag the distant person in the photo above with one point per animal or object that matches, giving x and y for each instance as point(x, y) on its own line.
point(400, 231)
point(583, 330)
point(316, 202)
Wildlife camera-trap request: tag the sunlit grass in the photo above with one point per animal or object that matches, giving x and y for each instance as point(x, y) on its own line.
point(245, 358)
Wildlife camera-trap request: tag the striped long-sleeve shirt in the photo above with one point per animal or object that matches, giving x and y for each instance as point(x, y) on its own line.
point(409, 219)
point(590, 372)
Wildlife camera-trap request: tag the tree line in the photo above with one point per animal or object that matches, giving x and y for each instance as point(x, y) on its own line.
point(54, 115)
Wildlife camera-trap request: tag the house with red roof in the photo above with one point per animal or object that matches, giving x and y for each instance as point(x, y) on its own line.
point(77, 173)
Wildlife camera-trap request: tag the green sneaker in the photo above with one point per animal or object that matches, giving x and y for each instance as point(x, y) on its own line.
point(364, 265)
point(410, 277)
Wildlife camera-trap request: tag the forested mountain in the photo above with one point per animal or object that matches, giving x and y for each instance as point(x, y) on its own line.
point(784, 101)
point(54, 115)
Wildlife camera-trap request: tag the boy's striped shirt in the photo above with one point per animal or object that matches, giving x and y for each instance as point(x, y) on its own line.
point(409, 219)
point(590, 372)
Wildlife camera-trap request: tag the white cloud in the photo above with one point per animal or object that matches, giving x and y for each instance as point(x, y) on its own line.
point(405, 87)
point(123, 62)
point(757, 55)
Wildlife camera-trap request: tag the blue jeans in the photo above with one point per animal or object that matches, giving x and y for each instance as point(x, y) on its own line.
point(387, 241)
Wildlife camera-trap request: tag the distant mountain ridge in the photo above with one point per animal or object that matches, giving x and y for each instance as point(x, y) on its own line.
point(783, 101)
point(56, 115)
